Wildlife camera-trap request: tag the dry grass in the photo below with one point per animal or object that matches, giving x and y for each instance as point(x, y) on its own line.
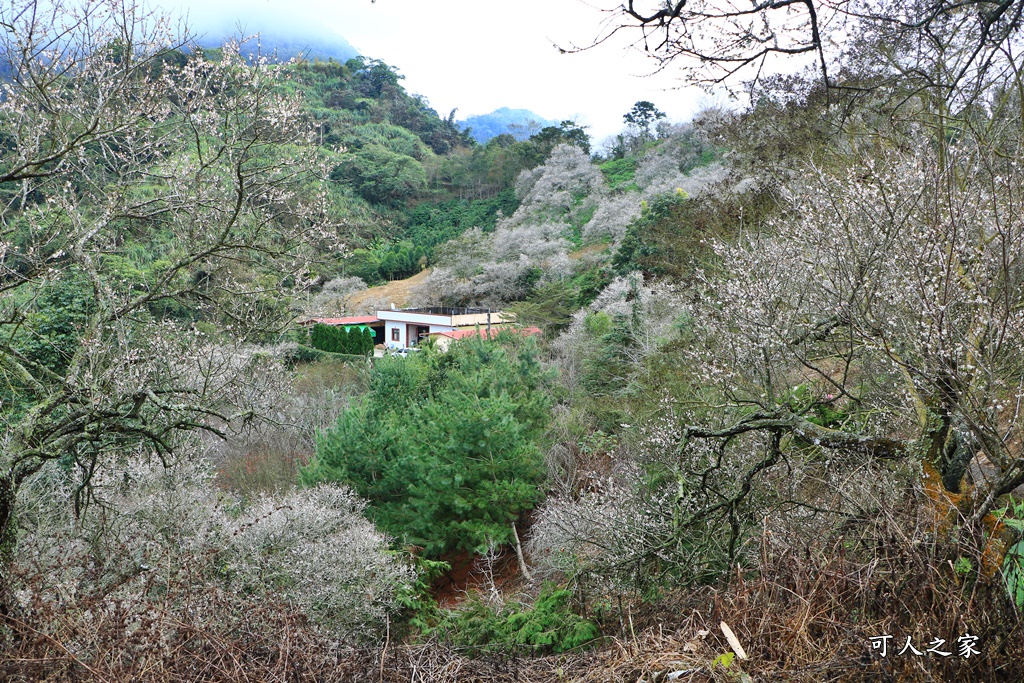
point(398, 292)
point(804, 616)
point(589, 250)
point(261, 643)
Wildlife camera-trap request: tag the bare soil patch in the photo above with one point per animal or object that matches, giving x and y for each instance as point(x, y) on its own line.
point(397, 292)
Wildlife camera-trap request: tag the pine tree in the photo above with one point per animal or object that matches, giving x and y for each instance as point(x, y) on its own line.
point(446, 447)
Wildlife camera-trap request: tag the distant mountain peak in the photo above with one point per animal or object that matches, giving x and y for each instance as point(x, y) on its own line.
point(520, 123)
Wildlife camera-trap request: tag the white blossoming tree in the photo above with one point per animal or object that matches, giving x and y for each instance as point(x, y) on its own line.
point(874, 331)
point(170, 555)
point(140, 187)
point(884, 320)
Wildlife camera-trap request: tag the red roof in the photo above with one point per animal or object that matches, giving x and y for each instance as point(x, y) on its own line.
point(357, 320)
point(482, 331)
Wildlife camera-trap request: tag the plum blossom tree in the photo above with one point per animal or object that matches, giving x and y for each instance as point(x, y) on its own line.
point(112, 139)
point(870, 336)
point(714, 42)
point(892, 297)
point(171, 558)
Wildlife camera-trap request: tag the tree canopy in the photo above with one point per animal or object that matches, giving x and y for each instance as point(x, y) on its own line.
point(446, 446)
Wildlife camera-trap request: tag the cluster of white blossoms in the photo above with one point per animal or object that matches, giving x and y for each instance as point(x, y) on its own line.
point(161, 540)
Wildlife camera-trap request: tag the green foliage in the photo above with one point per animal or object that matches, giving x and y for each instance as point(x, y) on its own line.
point(353, 341)
point(620, 173)
point(1013, 573)
point(428, 225)
point(302, 354)
point(724, 660)
point(548, 307)
point(445, 446)
point(577, 220)
point(549, 625)
point(392, 138)
point(380, 175)
point(367, 91)
point(607, 370)
point(820, 410)
point(1012, 515)
point(641, 248)
point(551, 305)
point(386, 261)
point(492, 168)
point(565, 133)
point(433, 224)
point(419, 608)
point(670, 236)
point(50, 335)
point(321, 337)
point(642, 116)
point(359, 341)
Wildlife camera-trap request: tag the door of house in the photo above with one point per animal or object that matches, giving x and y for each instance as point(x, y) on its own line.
point(414, 334)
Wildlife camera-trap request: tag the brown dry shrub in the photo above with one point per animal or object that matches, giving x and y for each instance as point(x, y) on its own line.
point(266, 458)
point(248, 642)
point(809, 615)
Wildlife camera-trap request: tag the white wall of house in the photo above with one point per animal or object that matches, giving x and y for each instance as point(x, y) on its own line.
point(399, 320)
point(403, 333)
point(389, 335)
point(443, 343)
point(414, 318)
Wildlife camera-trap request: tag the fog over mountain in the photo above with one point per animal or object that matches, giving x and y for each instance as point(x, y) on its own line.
point(285, 32)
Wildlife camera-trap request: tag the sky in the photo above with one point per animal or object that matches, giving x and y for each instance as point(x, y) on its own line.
point(479, 55)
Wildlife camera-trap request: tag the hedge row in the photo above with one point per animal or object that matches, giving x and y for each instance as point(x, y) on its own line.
point(353, 341)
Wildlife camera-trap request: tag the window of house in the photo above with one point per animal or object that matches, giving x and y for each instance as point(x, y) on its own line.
point(396, 334)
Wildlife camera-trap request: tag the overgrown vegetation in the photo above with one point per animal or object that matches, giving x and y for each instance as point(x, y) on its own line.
point(779, 384)
point(548, 625)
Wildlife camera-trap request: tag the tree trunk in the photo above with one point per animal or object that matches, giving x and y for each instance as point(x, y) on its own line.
point(8, 527)
point(519, 555)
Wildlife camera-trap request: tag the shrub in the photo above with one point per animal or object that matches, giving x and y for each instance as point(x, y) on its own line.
point(352, 341)
point(445, 445)
point(314, 549)
point(619, 173)
point(546, 626)
point(380, 175)
point(295, 354)
point(162, 551)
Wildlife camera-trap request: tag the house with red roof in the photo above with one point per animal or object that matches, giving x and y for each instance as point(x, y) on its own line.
point(409, 327)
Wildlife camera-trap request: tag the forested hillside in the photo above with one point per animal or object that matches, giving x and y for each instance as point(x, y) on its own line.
point(758, 416)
